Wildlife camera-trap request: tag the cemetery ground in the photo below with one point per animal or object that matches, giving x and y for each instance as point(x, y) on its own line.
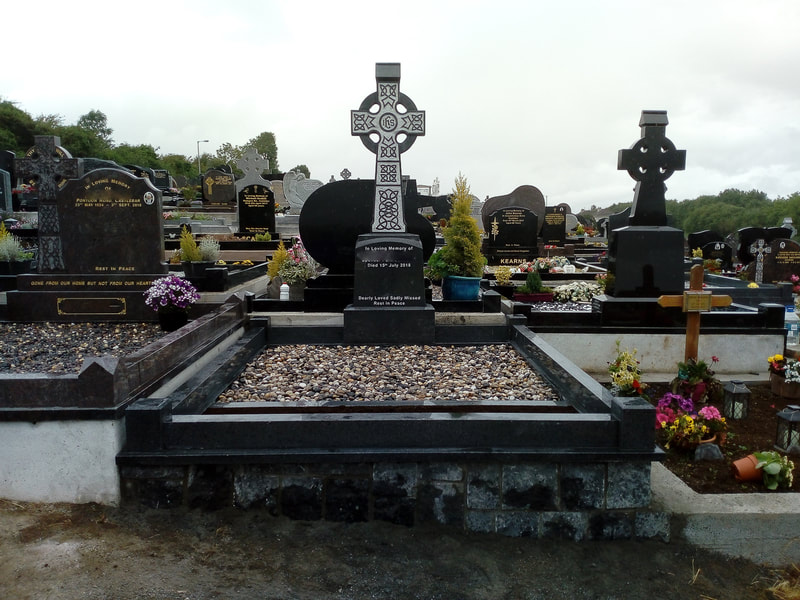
point(96, 552)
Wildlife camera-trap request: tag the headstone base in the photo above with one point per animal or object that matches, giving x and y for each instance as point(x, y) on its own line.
point(401, 325)
point(646, 261)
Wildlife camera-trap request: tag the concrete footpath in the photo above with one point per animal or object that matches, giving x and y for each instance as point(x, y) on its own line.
point(763, 528)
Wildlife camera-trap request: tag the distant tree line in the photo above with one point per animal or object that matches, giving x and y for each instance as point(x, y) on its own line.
point(724, 213)
point(91, 137)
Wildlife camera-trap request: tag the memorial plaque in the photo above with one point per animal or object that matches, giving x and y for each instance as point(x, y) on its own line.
point(256, 209)
point(512, 236)
point(218, 187)
point(554, 229)
point(387, 271)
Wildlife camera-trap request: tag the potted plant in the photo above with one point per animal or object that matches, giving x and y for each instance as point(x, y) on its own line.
point(696, 380)
point(459, 263)
point(784, 376)
point(679, 426)
point(776, 469)
point(503, 285)
point(195, 258)
point(576, 291)
point(533, 290)
point(14, 259)
point(626, 377)
point(171, 298)
point(296, 269)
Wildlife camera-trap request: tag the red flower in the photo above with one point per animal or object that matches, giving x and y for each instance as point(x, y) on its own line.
point(714, 359)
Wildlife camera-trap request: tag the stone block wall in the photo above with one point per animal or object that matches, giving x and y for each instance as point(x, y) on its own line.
point(574, 501)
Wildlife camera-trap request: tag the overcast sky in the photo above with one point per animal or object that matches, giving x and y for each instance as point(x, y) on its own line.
point(542, 93)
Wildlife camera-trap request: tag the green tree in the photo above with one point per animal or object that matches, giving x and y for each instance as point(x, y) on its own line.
point(142, 155)
point(462, 238)
point(95, 121)
point(82, 143)
point(177, 164)
point(17, 128)
point(302, 169)
point(266, 145)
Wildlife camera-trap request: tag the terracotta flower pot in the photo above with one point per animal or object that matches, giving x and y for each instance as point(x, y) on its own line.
point(744, 469)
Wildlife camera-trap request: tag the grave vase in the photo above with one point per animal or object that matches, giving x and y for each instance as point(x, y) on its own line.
point(15, 267)
point(297, 291)
point(172, 319)
point(461, 288)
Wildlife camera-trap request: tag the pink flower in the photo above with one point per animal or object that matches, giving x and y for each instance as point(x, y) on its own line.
point(794, 278)
point(714, 359)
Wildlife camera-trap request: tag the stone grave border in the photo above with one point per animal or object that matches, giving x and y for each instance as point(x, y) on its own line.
point(577, 475)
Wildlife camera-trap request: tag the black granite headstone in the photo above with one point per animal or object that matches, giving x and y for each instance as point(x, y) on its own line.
point(619, 220)
point(749, 239)
point(388, 271)
point(782, 261)
point(218, 187)
point(512, 236)
point(8, 180)
point(142, 172)
point(337, 213)
point(256, 210)
point(161, 179)
point(526, 196)
point(720, 251)
point(554, 229)
point(699, 239)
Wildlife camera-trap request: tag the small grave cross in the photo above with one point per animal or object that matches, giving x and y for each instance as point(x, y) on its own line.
point(758, 249)
point(49, 166)
point(651, 161)
point(388, 123)
point(694, 301)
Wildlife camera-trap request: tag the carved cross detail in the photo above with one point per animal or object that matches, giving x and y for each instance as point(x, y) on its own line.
point(48, 166)
point(252, 163)
point(389, 124)
point(651, 161)
point(758, 249)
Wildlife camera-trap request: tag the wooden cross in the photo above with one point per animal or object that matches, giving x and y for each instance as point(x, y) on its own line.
point(651, 161)
point(389, 124)
point(758, 249)
point(694, 301)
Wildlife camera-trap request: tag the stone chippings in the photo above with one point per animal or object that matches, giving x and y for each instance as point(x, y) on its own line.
point(391, 373)
point(59, 348)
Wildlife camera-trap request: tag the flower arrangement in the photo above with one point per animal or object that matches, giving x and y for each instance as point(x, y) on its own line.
point(777, 364)
point(681, 426)
point(576, 291)
point(502, 275)
point(171, 293)
point(543, 263)
point(11, 249)
point(696, 380)
point(795, 283)
point(298, 265)
point(713, 265)
point(697, 253)
point(625, 374)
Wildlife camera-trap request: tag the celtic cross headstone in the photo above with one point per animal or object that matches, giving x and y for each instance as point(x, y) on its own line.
point(758, 249)
point(252, 165)
point(48, 166)
point(389, 124)
point(651, 161)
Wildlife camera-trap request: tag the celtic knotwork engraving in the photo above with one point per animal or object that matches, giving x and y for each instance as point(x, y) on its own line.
point(48, 219)
point(387, 123)
point(51, 258)
point(388, 214)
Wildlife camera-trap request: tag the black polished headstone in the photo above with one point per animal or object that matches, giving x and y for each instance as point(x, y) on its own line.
point(750, 235)
point(218, 187)
point(554, 229)
point(256, 210)
point(161, 179)
point(720, 251)
point(619, 220)
point(7, 181)
point(782, 261)
point(512, 236)
point(699, 239)
point(142, 172)
point(526, 196)
point(337, 213)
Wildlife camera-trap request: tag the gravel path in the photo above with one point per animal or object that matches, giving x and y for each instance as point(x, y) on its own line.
point(324, 373)
point(60, 348)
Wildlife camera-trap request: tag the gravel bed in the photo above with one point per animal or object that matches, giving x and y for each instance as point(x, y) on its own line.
point(358, 373)
point(59, 348)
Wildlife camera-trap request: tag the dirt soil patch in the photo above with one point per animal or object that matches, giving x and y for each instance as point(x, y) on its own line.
point(745, 436)
point(93, 552)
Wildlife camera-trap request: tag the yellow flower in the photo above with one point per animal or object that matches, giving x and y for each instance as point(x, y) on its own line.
point(752, 284)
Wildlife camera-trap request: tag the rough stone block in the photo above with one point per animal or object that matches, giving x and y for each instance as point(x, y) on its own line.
point(582, 486)
point(301, 498)
point(347, 500)
point(518, 524)
point(564, 525)
point(209, 487)
point(652, 525)
point(396, 479)
point(154, 493)
point(628, 485)
point(610, 526)
point(483, 487)
point(442, 502)
point(255, 488)
point(531, 487)
point(480, 521)
point(442, 472)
